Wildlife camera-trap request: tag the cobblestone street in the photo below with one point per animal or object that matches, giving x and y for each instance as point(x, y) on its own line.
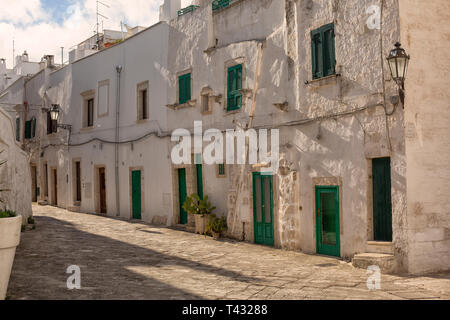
point(132, 260)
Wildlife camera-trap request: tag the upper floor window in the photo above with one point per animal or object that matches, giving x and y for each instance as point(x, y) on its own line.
point(103, 98)
point(184, 88)
point(18, 129)
point(234, 95)
point(323, 52)
point(88, 109)
point(90, 112)
point(30, 128)
point(52, 125)
point(142, 101)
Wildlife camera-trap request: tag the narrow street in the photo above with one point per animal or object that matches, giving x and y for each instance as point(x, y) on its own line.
point(132, 260)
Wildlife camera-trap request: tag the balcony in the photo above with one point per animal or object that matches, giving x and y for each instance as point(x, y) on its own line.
point(220, 4)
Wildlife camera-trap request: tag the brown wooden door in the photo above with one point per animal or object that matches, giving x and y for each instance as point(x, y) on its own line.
point(102, 184)
point(55, 187)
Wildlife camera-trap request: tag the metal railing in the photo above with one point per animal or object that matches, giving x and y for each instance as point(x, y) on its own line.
point(187, 10)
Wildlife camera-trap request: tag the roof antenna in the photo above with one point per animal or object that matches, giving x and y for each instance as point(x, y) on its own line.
point(100, 15)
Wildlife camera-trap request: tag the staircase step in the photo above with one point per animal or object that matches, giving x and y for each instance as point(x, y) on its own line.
point(386, 262)
point(379, 247)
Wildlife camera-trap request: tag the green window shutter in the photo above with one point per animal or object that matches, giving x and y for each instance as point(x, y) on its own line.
point(234, 96)
point(323, 51)
point(316, 54)
point(184, 88)
point(28, 129)
point(221, 169)
point(18, 129)
point(329, 60)
point(33, 127)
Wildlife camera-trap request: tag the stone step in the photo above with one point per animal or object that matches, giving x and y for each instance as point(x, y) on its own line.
point(74, 209)
point(386, 262)
point(379, 247)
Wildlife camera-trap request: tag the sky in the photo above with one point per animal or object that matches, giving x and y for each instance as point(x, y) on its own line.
point(44, 26)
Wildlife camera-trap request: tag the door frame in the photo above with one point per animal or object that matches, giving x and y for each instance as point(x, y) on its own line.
point(272, 205)
point(319, 247)
point(141, 169)
point(54, 186)
point(179, 195)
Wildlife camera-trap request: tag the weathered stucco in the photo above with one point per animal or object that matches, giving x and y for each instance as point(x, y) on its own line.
point(425, 35)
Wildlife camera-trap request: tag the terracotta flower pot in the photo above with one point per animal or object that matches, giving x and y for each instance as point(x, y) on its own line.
point(9, 240)
point(200, 224)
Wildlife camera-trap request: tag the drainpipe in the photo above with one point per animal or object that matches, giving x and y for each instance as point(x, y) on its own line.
point(116, 146)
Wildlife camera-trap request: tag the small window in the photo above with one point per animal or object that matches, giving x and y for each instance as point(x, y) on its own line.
point(33, 127)
point(77, 181)
point(184, 88)
point(142, 92)
point(205, 103)
point(323, 52)
point(221, 170)
point(234, 95)
point(52, 125)
point(88, 113)
point(28, 129)
point(18, 129)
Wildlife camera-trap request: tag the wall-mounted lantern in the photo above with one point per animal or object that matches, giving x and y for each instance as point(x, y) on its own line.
point(398, 64)
point(54, 115)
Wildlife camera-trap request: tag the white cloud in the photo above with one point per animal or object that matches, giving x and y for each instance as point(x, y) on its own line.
point(31, 26)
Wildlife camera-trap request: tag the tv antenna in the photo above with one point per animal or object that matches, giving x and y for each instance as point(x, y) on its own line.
point(100, 15)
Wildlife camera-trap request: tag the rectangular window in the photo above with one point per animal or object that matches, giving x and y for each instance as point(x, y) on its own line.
point(184, 88)
point(221, 170)
point(33, 127)
point(142, 101)
point(144, 104)
point(234, 95)
point(28, 129)
point(103, 98)
point(52, 125)
point(90, 113)
point(18, 129)
point(323, 52)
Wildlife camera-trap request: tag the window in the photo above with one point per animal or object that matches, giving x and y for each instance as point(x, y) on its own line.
point(221, 170)
point(184, 88)
point(234, 95)
point(18, 129)
point(142, 92)
point(207, 100)
point(323, 52)
point(30, 128)
point(90, 113)
point(52, 125)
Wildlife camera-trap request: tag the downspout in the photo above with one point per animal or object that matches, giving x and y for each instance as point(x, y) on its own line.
point(116, 145)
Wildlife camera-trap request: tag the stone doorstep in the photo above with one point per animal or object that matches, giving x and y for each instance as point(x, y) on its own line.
point(386, 262)
point(379, 247)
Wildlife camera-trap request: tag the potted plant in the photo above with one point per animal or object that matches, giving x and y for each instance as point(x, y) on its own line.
point(200, 209)
point(10, 226)
point(216, 226)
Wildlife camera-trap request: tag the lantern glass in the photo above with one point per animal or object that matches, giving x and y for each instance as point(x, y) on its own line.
point(54, 113)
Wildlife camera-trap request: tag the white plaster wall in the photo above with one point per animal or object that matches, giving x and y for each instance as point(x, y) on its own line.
point(427, 116)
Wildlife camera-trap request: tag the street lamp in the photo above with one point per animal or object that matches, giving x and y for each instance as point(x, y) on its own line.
point(54, 115)
point(398, 64)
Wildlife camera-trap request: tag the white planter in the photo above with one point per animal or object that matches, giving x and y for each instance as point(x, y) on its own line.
point(200, 224)
point(10, 229)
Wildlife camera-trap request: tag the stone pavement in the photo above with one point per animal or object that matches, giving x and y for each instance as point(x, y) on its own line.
point(134, 260)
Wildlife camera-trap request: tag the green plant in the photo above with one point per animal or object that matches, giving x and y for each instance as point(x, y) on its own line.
point(215, 224)
point(31, 220)
point(23, 228)
point(7, 214)
point(195, 205)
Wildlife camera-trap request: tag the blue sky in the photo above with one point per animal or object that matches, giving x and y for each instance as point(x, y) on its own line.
point(57, 8)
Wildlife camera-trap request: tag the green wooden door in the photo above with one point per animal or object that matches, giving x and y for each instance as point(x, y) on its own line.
point(136, 194)
point(199, 180)
point(382, 205)
point(182, 195)
point(263, 209)
point(327, 221)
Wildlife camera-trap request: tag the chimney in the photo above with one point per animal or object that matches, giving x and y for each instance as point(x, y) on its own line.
point(2, 66)
point(25, 56)
point(50, 60)
point(169, 10)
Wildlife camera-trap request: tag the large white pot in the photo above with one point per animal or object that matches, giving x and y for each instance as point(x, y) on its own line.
point(10, 229)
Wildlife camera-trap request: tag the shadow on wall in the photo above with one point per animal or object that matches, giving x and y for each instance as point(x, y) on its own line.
point(110, 269)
